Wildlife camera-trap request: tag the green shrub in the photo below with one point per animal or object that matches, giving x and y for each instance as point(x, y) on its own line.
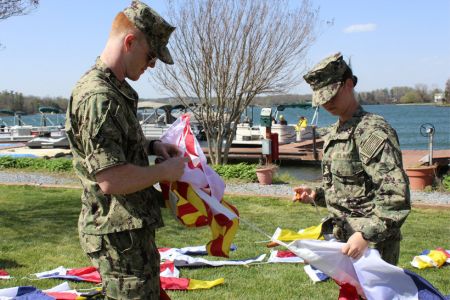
point(55, 164)
point(242, 171)
point(446, 182)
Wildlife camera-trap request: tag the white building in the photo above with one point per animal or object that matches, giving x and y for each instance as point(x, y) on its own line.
point(439, 98)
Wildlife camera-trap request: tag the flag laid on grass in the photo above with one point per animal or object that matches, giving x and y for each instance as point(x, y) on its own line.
point(166, 253)
point(197, 198)
point(189, 261)
point(23, 292)
point(284, 256)
point(370, 276)
point(315, 274)
point(59, 292)
point(4, 274)
point(431, 258)
point(88, 274)
point(169, 277)
point(286, 235)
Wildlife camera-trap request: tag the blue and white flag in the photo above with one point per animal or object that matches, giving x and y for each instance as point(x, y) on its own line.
point(23, 292)
point(372, 277)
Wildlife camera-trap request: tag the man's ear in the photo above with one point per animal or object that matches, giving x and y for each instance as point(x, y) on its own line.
point(349, 83)
point(128, 41)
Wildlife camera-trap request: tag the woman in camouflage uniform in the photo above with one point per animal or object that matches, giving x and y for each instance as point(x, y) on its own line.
point(364, 185)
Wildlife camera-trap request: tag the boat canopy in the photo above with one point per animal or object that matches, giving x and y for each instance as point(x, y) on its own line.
point(7, 112)
point(305, 105)
point(48, 109)
point(152, 104)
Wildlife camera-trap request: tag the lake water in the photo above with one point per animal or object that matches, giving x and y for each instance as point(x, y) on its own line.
point(405, 119)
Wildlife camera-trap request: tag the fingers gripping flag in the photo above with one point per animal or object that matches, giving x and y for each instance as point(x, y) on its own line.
point(196, 199)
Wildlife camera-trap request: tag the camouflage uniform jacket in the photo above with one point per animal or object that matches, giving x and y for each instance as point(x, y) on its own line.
point(364, 185)
point(104, 131)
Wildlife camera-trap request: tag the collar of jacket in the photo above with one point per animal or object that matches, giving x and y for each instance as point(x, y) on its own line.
point(121, 86)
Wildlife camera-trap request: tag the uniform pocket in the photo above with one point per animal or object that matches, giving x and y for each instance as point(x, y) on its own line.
point(91, 243)
point(129, 287)
point(348, 178)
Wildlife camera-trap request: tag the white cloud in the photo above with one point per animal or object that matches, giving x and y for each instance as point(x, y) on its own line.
point(361, 28)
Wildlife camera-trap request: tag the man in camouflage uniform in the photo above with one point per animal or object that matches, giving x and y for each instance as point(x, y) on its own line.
point(364, 185)
point(120, 209)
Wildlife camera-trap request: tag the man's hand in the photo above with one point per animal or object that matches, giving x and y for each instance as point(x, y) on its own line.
point(165, 150)
point(173, 168)
point(355, 246)
point(304, 194)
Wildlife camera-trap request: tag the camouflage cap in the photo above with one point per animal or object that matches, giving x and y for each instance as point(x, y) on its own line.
point(157, 31)
point(326, 77)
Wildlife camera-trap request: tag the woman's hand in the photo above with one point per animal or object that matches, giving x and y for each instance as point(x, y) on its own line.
point(355, 246)
point(304, 194)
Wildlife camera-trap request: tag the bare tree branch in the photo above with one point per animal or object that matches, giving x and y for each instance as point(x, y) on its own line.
point(10, 8)
point(227, 52)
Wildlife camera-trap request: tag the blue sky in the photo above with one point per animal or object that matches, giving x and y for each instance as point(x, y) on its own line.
point(390, 43)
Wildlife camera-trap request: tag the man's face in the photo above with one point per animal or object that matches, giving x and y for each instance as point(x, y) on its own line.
point(142, 59)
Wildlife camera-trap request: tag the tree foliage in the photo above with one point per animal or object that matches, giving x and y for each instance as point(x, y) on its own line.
point(227, 52)
point(16, 101)
point(411, 97)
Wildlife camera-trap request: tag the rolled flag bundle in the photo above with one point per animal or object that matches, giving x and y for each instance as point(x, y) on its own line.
point(431, 258)
point(197, 198)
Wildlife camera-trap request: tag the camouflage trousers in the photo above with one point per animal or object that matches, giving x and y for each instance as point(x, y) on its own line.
point(128, 263)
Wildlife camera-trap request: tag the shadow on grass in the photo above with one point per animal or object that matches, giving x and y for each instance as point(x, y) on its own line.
point(50, 215)
point(9, 264)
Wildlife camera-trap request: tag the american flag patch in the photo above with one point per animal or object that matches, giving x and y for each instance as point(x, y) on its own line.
point(372, 146)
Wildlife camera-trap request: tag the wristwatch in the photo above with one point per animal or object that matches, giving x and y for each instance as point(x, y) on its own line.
point(150, 148)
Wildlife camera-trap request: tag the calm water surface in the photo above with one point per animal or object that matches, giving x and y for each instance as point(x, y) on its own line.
point(405, 119)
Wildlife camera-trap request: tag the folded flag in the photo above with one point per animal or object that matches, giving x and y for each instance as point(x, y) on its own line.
point(169, 276)
point(168, 269)
point(23, 292)
point(431, 258)
point(166, 253)
point(60, 292)
point(171, 283)
point(197, 198)
point(284, 256)
point(89, 274)
point(315, 274)
point(4, 274)
point(64, 292)
point(169, 279)
point(189, 261)
point(310, 233)
point(370, 276)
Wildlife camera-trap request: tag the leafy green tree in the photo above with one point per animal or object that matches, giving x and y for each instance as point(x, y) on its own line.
point(411, 97)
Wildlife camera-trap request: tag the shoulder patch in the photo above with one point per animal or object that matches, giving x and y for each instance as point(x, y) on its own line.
point(372, 146)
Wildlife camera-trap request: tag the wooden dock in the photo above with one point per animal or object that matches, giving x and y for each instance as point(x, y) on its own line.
point(302, 153)
point(297, 153)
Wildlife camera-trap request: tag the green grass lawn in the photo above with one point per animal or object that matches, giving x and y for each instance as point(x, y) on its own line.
point(38, 232)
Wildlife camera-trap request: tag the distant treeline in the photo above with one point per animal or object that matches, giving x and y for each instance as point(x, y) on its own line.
point(395, 95)
point(16, 101)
